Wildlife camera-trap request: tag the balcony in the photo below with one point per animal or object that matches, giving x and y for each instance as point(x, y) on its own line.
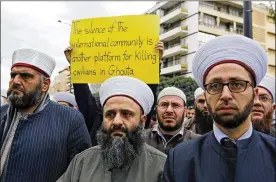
point(174, 69)
point(270, 44)
point(180, 31)
point(175, 15)
point(270, 28)
point(223, 15)
point(214, 30)
point(175, 50)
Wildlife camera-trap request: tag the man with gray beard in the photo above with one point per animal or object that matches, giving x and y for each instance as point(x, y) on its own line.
point(122, 154)
point(38, 137)
point(264, 107)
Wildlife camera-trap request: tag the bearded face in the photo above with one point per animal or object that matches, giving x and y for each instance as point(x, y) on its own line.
point(122, 136)
point(263, 125)
point(262, 112)
point(229, 108)
point(170, 113)
point(120, 152)
point(21, 98)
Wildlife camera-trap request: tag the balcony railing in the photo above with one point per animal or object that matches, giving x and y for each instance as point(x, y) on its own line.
point(175, 49)
point(215, 8)
point(174, 15)
point(174, 33)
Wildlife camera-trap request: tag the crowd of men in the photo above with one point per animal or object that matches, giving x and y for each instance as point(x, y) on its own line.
point(227, 135)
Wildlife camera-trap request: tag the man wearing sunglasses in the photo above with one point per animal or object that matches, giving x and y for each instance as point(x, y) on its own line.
point(264, 106)
point(228, 68)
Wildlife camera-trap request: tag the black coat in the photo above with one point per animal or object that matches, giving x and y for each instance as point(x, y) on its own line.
point(205, 160)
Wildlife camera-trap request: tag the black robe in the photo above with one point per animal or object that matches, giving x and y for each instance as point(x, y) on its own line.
point(205, 160)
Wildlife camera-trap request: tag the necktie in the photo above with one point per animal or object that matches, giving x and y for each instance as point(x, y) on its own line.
point(228, 143)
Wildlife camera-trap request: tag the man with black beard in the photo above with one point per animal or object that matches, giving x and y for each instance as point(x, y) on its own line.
point(122, 154)
point(38, 137)
point(202, 122)
point(229, 68)
point(264, 106)
point(170, 111)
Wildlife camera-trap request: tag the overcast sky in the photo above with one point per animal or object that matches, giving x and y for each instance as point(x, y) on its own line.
point(34, 25)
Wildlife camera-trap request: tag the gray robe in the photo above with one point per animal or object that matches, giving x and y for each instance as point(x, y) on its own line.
point(88, 166)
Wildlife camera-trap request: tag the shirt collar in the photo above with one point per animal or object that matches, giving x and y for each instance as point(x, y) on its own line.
point(157, 129)
point(219, 134)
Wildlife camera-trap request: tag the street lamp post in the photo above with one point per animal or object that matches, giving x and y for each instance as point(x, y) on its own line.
point(70, 85)
point(247, 19)
point(59, 21)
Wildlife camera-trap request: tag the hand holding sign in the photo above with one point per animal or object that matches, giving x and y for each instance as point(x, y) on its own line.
point(112, 46)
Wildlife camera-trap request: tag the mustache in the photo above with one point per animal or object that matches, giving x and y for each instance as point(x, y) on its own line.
point(15, 86)
point(230, 105)
point(117, 128)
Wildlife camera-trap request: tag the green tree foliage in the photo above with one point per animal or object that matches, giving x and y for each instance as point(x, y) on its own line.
point(186, 84)
point(271, 12)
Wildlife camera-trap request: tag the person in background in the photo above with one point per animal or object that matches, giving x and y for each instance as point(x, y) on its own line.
point(65, 98)
point(264, 107)
point(202, 122)
point(190, 112)
point(122, 154)
point(229, 68)
point(170, 116)
point(38, 137)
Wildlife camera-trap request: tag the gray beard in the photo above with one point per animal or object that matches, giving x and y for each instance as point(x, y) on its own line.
point(265, 124)
point(121, 152)
point(178, 125)
point(27, 100)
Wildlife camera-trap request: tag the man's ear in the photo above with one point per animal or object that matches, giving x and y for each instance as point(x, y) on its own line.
point(46, 85)
point(143, 120)
point(273, 107)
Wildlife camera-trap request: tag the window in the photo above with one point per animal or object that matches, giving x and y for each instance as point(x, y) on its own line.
point(208, 20)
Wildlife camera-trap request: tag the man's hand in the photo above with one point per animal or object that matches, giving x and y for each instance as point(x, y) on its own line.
point(67, 53)
point(160, 47)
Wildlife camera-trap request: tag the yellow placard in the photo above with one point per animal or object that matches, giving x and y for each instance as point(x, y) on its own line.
point(113, 46)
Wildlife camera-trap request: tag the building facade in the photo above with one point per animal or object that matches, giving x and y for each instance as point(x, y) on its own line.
point(62, 82)
point(186, 25)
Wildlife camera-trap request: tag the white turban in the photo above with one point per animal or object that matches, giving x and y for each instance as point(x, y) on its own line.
point(268, 83)
point(65, 97)
point(172, 91)
point(130, 87)
point(199, 91)
point(230, 48)
point(35, 60)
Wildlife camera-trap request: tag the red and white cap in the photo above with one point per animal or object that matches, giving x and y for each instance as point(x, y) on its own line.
point(35, 60)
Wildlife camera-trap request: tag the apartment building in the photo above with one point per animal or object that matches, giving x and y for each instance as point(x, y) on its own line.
point(186, 25)
point(62, 82)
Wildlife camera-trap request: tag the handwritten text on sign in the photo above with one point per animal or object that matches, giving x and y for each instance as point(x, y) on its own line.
point(113, 46)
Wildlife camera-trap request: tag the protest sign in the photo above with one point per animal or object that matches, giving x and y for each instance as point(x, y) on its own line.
point(113, 46)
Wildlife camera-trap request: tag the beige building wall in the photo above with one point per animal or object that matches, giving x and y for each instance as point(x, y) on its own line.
point(61, 82)
point(263, 28)
point(264, 32)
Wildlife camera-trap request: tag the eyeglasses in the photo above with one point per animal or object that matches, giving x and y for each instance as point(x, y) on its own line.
point(235, 86)
point(165, 105)
point(264, 99)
